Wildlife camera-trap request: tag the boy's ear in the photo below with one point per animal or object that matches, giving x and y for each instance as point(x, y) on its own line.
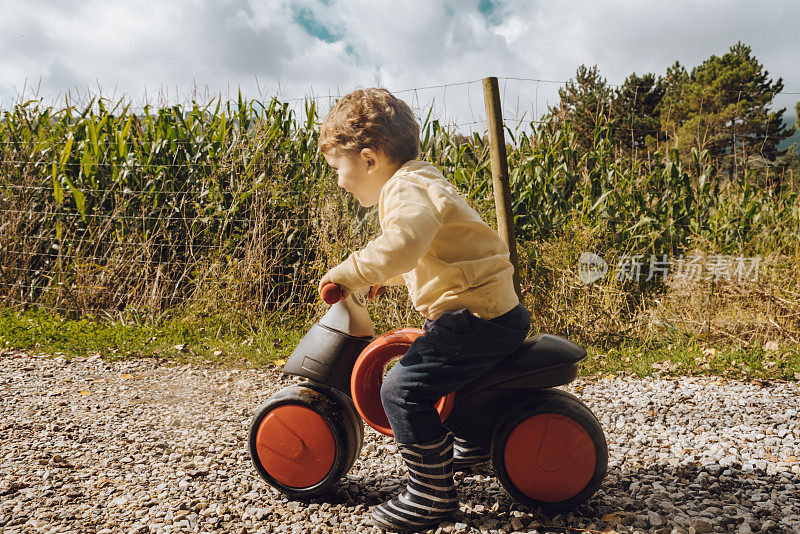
point(369, 156)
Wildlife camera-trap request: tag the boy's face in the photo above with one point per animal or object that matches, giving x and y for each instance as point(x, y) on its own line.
point(362, 175)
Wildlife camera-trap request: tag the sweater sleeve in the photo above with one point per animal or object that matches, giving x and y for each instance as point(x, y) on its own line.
point(411, 221)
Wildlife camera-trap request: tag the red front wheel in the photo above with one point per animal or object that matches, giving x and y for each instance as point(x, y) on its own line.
point(302, 440)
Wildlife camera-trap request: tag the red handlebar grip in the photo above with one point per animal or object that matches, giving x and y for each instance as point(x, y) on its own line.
point(331, 293)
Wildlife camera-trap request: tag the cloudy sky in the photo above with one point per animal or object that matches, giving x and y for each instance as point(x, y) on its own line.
point(426, 52)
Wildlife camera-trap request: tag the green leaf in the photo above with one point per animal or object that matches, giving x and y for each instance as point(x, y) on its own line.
point(93, 136)
point(65, 152)
point(599, 200)
point(58, 189)
point(80, 199)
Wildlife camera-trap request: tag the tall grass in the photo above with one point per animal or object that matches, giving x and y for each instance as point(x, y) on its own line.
point(228, 207)
point(104, 209)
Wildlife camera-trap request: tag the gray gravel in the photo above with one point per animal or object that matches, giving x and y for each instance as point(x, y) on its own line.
point(143, 446)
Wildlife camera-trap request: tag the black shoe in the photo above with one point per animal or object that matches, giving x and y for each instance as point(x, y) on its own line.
point(468, 454)
point(430, 495)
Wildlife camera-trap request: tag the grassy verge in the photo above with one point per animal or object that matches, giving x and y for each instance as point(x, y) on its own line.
point(223, 340)
point(187, 339)
point(767, 363)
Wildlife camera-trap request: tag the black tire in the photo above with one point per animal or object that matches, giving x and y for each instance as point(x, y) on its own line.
point(349, 410)
point(551, 401)
point(335, 414)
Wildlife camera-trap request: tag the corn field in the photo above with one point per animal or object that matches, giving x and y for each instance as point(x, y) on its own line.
point(229, 207)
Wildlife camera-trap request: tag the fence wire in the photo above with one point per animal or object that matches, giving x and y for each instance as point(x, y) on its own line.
point(15, 290)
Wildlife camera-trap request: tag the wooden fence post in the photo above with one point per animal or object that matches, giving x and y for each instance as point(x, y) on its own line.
point(499, 164)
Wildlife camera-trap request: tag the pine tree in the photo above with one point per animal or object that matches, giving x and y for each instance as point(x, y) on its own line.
point(797, 117)
point(635, 110)
point(584, 102)
point(722, 106)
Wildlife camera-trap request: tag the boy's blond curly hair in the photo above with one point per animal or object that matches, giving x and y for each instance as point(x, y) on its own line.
point(371, 118)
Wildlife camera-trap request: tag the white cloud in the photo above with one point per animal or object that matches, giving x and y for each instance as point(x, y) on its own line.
point(220, 45)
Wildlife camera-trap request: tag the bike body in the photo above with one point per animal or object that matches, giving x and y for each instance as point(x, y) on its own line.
point(548, 449)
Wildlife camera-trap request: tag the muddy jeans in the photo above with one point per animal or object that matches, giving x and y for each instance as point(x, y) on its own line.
point(456, 348)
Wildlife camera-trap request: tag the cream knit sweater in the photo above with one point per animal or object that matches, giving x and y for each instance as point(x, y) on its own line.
point(435, 244)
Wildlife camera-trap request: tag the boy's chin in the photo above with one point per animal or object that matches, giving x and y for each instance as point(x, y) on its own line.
point(367, 203)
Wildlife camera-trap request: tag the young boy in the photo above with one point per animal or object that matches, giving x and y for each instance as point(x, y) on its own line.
point(458, 275)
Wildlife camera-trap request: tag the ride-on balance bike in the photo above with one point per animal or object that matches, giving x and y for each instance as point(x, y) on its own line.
point(547, 448)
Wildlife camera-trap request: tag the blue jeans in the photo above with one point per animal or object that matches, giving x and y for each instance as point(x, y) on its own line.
point(456, 348)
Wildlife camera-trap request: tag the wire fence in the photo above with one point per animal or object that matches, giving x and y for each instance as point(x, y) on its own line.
point(509, 114)
point(30, 280)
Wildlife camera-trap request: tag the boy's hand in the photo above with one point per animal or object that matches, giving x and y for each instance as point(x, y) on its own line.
point(325, 280)
point(376, 290)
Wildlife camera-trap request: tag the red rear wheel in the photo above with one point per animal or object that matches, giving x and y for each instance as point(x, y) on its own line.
point(551, 452)
point(550, 457)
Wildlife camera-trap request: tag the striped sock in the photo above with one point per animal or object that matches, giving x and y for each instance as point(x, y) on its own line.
point(430, 495)
point(467, 454)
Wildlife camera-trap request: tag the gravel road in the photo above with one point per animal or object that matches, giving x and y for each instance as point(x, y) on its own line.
point(144, 446)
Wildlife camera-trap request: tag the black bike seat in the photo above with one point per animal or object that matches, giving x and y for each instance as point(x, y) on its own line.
point(541, 361)
point(545, 350)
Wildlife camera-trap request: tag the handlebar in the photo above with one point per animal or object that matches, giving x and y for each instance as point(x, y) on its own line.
point(332, 292)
